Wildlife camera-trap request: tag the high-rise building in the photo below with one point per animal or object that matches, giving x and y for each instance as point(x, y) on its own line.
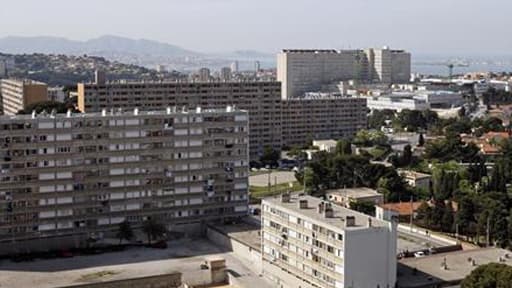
point(308, 119)
point(328, 246)
point(3, 69)
point(83, 174)
point(234, 67)
point(204, 74)
point(225, 74)
point(17, 94)
point(257, 66)
point(305, 71)
point(261, 99)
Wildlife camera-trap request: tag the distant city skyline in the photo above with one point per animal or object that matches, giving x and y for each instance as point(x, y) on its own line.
point(213, 26)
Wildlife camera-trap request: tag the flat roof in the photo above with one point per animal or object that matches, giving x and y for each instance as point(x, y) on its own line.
point(416, 175)
point(459, 265)
point(362, 192)
point(338, 219)
point(124, 113)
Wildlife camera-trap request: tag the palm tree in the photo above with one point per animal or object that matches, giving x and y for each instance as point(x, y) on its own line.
point(153, 229)
point(125, 232)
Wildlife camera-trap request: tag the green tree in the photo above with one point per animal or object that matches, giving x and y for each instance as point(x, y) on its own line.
point(153, 229)
point(48, 106)
point(125, 232)
point(493, 275)
point(421, 140)
point(344, 147)
point(366, 207)
point(270, 156)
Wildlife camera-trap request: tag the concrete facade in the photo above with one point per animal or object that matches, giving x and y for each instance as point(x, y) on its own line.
point(83, 174)
point(308, 119)
point(301, 71)
point(327, 245)
point(17, 94)
point(261, 99)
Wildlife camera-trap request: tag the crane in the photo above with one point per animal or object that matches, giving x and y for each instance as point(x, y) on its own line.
point(449, 64)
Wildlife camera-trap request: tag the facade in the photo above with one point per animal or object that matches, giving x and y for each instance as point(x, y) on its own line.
point(83, 174)
point(56, 94)
point(204, 74)
point(346, 196)
point(303, 71)
point(416, 179)
point(326, 245)
point(225, 74)
point(261, 99)
point(306, 119)
point(396, 103)
point(17, 94)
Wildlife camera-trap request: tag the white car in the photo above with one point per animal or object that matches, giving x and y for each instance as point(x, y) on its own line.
point(419, 254)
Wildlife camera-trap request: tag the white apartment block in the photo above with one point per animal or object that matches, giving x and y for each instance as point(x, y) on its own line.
point(303, 71)
point(328, 246)
point(396, 103)
point(81, 174)
point(16, 94)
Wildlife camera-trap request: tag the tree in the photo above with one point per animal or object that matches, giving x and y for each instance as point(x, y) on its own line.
point(270, 156)
point(153, 229)
point(421, 140)
point(462, 112)
point(493, 275)
point(366, 207)
point(48, 106)
point(344, 147)
point(125, 232)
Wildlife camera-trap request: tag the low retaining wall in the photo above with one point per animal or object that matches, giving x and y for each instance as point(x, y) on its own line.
point(423, 233)
point(172, 280)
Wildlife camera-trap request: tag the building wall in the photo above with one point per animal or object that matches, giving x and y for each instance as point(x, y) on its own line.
point(302, 71)
point(360, 246)
point(357, 256)
point(18, 94)
point(261, 99)
point(305, 120)
point(86, 173)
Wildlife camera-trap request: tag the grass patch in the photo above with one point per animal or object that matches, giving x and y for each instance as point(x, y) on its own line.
point(262, 192)
point(97, 275)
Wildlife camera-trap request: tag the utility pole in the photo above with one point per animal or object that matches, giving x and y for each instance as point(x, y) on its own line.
point(488, 230)
point(412, 213)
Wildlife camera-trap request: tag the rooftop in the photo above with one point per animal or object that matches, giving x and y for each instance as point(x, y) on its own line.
point(362, 192)
point(403, 208)
point(122, 113)
point(458, 265)
point(338, 219)
point(414, 174)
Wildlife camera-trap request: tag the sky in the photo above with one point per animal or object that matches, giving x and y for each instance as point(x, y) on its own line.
point(457, 27)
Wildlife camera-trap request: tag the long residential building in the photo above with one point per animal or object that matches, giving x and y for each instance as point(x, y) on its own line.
point(328, 246)
point(82, 174)
point(302, 71)
point(261, 99)
point(308, 119)
point(17, 94)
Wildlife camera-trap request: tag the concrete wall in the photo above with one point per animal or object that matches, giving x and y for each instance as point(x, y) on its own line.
point(241, 250)
point(172, 280)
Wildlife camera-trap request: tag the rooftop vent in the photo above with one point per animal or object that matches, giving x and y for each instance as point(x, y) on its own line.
point(285, 197)
point(328, 212)
point(136, 111)
point(320, 208)
point(229, 109)
point(350, 221)
point(103, 112)
point(69, 113)
point(168, 110)
point(303, 204)
point(198, 110)
point(34, 114)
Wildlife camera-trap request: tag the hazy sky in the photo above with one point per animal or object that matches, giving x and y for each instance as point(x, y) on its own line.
point(422, 26)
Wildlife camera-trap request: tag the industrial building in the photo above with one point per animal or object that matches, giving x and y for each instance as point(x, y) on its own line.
point(17, 94)
point(83, 174)
point(325, 245)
